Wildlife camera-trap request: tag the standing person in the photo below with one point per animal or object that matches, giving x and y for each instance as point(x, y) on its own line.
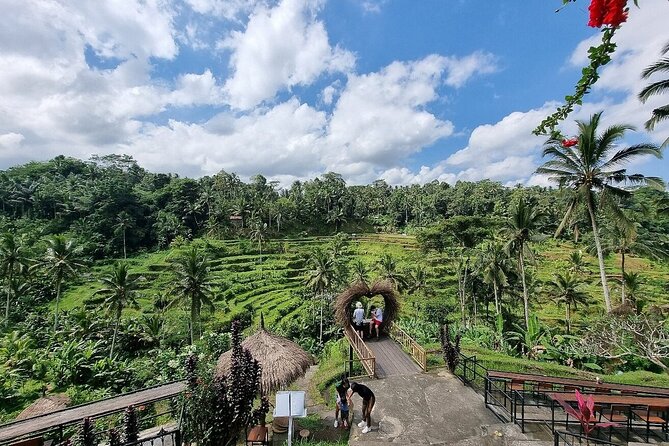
point(372, 323)
point(358, 319)
point(377, 320)
point(368, 400)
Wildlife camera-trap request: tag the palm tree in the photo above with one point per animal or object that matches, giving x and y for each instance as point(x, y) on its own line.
point(417, 280)
point(360, 271)
point(61, 260)
point(588, 167)
point(119, 291)
point(12, 261)
point(661, 86)
point(520, 230)
point(493, 266)
point(565, 289)
point(632, 285)
point(320, 278)
point(193, 287)
point(258, 235)
point(123, 223)
point(388, 269)
point(576, 262)
point(625, 239)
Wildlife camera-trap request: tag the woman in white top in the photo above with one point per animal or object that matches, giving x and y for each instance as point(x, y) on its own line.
point(358, 318)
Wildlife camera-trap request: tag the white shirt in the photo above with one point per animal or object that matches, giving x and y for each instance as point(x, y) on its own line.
point(358, 315)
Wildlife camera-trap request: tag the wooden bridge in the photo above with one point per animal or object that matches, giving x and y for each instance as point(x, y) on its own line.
point(387, 356)
point(56, 421)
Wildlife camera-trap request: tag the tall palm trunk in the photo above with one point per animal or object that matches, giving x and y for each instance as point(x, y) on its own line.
point(193, 316)
point(622, 279)
point(526, 299)
point(494, 287)
point(55, 314)
point(118, 319)
point(600, 255)
point(124, 252)
point(9, 295)
point(568, 318)
point(320, 336)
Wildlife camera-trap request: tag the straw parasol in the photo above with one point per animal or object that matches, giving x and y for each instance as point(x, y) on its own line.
point(282, 361)
point(385, 289)
point(45, 405)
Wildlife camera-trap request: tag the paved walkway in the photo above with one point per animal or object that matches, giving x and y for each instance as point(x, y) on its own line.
point(391, 360)
point(432, 409)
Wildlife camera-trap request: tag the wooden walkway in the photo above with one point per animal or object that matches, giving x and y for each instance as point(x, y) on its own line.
point(43, 423)
point(391, 360)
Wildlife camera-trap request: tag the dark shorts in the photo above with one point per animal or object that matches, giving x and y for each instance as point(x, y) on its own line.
point(359, 327)
point(344, 414)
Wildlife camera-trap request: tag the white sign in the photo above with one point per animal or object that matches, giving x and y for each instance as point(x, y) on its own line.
point(290, 404)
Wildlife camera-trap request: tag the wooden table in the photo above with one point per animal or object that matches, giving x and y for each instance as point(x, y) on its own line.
point(580, 383)
point(258, 436)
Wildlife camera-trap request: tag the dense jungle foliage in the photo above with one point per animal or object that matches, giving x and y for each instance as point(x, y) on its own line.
point(112, 275)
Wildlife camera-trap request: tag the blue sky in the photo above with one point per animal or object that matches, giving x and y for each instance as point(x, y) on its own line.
point(407, 91)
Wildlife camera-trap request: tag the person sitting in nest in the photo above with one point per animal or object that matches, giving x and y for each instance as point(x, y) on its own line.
point(377, 320)
point(358, 319)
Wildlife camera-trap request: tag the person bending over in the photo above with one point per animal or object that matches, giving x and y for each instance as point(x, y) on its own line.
point(368, 400)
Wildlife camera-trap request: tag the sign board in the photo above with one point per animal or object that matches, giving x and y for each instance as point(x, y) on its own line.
point(290, 404)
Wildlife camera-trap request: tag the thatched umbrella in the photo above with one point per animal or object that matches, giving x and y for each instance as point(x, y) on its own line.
point(45, 405)
point(385, 289)
point(282, 361)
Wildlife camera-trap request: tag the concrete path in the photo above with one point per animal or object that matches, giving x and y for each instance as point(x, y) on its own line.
point(432, 409)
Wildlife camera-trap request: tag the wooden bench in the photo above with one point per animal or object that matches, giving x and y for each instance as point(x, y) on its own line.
point(258, 436)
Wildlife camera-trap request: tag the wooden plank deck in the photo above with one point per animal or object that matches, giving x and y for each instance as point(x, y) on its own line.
point(391, 360)
point(69, 416)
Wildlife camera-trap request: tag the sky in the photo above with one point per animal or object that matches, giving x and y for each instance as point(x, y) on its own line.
point(402, 90)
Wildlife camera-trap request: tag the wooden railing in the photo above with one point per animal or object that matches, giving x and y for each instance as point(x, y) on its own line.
point(407, 342)
point(364, 354)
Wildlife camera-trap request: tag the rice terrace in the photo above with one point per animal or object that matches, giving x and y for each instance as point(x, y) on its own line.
point(334, 223)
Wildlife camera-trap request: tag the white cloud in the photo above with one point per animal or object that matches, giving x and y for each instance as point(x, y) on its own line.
point(380, 118)
point(372, 6)
point(461, 69)
point(279, 141)
point(281, 47)
point(228, 9)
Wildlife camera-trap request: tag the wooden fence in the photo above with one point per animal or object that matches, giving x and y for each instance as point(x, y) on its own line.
point(364, 354)
point(410, 345)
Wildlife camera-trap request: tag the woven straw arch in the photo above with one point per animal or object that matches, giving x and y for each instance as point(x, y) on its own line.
point(344, 311)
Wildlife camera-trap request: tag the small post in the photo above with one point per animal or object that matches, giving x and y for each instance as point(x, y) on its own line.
point(290, 421)
point(350, 357)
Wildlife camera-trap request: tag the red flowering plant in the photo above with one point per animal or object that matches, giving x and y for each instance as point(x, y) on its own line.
point(585, 413)
point(607, 12)
point(569, 142)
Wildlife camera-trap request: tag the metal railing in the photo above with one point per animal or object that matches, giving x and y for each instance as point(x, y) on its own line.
point(364, 354)
point(409, 344)
point(163, 437)
point(561, 438)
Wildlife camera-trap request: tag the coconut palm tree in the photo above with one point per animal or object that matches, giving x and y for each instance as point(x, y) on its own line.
point(388, 269)
point(655, 88)
point(565, 289)
point(520, 230)
point(192, 287)
point(123, 223)
point(624, 238)
point(12, 262)
point(591, 169)
point(61, 260)
point(493, 266)
point(320, 278)
point(119, 291)
point(360, 271)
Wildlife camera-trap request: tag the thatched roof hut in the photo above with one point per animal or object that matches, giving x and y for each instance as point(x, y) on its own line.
point(385, 289)
point(282, 360)
point(45, 405)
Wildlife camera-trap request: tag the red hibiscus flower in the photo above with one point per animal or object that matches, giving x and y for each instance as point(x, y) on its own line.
point(607, 12)
point(569, 142)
